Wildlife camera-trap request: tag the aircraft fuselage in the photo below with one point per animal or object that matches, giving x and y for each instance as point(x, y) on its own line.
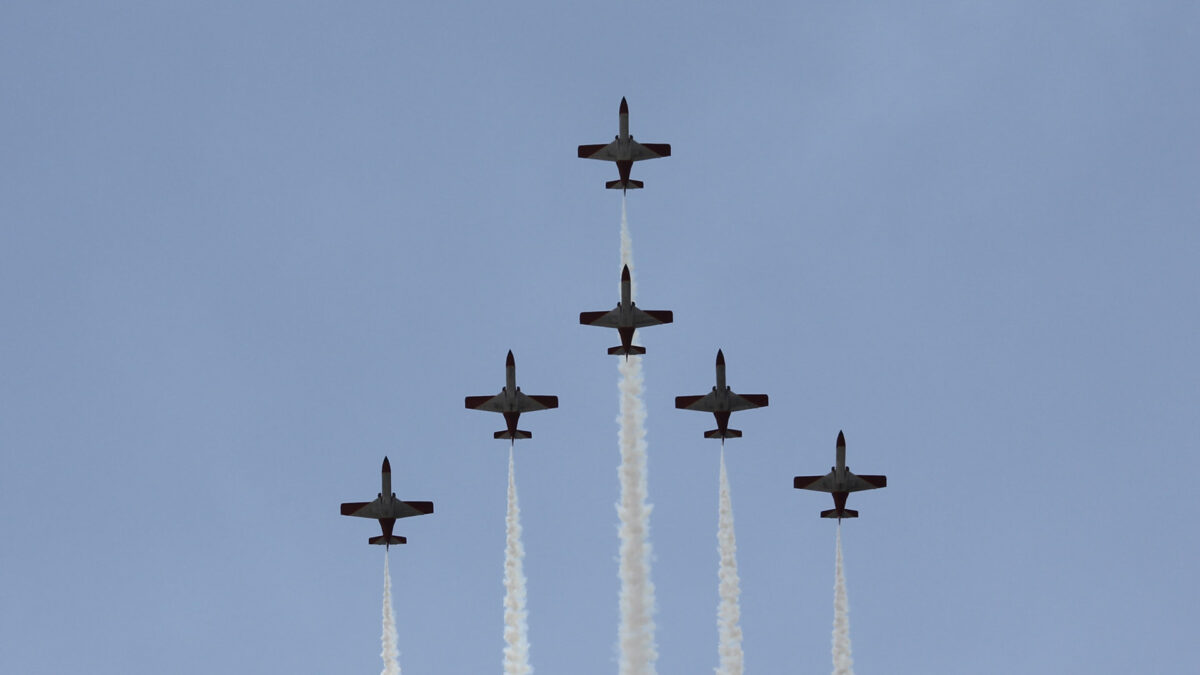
point(387, 498)
point(510, 384)
point(721, 397)
point(625, 315)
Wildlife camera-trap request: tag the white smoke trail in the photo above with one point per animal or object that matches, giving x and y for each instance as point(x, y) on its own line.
point(638, 652)
point(627, 251)
point(516, 640)
point(729, 610)
point(843, 664)
point(390, 653)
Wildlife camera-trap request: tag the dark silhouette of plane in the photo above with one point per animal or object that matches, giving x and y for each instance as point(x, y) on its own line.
point(386, 509)
point(624, 151)
point(840, 482)
point(721, 401)
point(626, 318)
point(511, 403)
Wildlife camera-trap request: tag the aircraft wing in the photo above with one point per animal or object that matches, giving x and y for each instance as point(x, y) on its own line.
point(612, 318)
point(705, 403)
point(605, 151)
point(651, 317)
point(607, 319)
point(856, 483)
point(527, 403)
point(827, 483)
point(489, 403)
point(649, 150)
point(378, 509)
point(815, 483)
point(746, 401)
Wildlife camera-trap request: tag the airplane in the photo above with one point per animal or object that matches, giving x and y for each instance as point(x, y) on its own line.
point(624, 151)
point(721, 401)
point(511, 403)
point(386, 509)
point(840, 482)
point(626, 318)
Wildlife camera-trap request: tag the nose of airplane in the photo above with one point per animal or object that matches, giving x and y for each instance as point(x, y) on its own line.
point(624, 106)
point(841, 440)
point(387, 466)
point(625, 273)
point(510, 361)
point(720, 358)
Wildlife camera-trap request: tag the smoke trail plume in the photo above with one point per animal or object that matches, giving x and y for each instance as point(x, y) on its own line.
point(627, 250)
point(516, 641)
point(729, 610)
point(638, 652)
point(843, 664)
point(390, 653)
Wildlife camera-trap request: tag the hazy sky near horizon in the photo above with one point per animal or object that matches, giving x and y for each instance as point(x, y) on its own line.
point(249, 248)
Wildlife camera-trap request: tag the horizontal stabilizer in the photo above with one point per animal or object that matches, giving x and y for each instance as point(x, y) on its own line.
point(624, 184)
point(620, 350)
point(729, 433)
point(514, 435)
point(844, 513)
point(387, 541)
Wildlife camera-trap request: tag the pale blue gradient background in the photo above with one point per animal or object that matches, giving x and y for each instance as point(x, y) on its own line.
point(248, 248)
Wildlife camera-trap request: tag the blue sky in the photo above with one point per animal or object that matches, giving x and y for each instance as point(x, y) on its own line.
point(248, 248)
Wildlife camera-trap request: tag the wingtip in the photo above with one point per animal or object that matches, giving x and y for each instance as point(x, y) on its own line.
point(510, 361)
point(625, 273)
point(841, 440)
point(387, 466)
point(624, 106)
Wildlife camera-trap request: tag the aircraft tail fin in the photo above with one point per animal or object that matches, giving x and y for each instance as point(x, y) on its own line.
point(729, 433)
point(387, 541)
point(844, 513)
point(513, 435)
point(624, 185)
point(620, 350)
